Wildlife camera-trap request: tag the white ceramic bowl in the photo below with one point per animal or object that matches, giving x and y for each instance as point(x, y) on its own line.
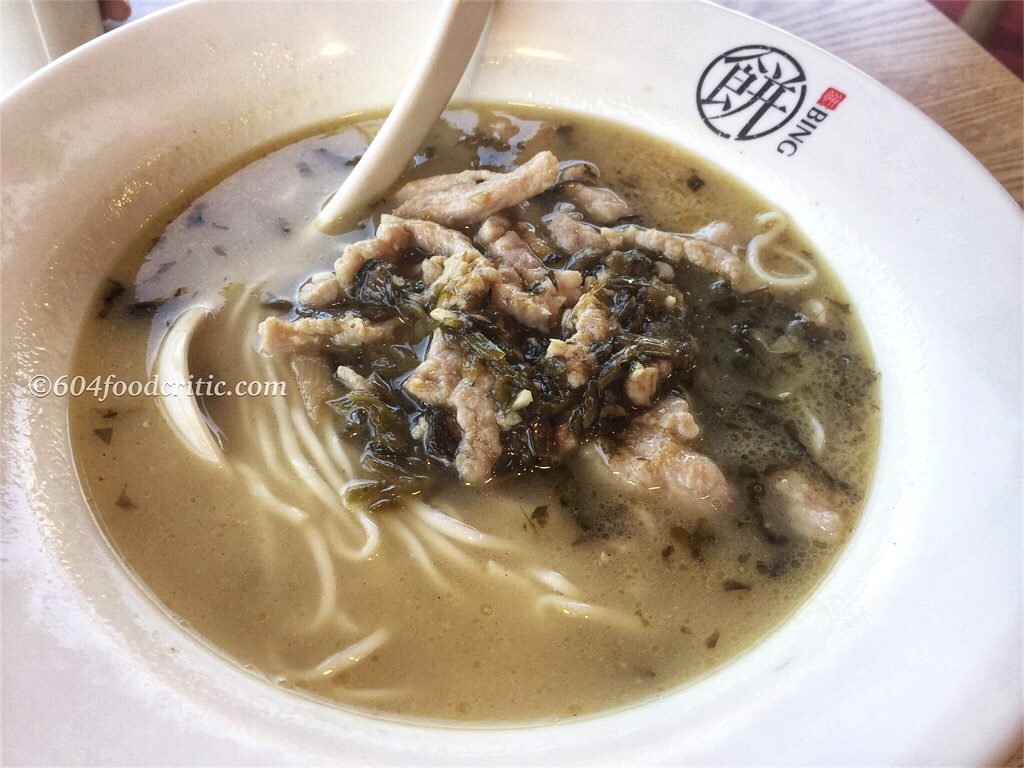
point(908, 653)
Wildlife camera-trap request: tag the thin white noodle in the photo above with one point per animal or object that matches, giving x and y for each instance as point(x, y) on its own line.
point(372, 532)
point(366, 696)
point(250, 415)
point(817, 445)
point(419, 554)
point(777, 224)
point(816, 441)
point(329, 470)
point(323, 463)
point(258, 488)
point(300, 419)
point(557, 582)
point(241, 306)
point(279, 509)
point(580, 610)
point(497, 570)
point(328, 579)
point(305, 467)
point(275, 461)
point(337, 450)
point(279, 448)
point(242, 330)
point(275, 454)
point(285, 440)
point(315, 483)
point(349, 657)
point(341, 548)
point(321, 467)
point(456, 529)
point(429, 536)
point(328, 483)
point(343, 622)
point(264, 534)
point(371, 695)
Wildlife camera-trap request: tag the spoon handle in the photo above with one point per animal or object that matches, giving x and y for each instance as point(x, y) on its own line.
point(426, 94)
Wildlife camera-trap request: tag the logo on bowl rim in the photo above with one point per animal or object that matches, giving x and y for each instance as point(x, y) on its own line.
point(750, 91)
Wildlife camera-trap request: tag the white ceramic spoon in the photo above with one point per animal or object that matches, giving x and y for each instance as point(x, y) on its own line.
point(437, 74)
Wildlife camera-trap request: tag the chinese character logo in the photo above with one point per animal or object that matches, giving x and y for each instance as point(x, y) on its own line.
point(748, 92)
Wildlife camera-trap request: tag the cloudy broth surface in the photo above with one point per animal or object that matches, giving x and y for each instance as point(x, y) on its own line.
point(563, 594)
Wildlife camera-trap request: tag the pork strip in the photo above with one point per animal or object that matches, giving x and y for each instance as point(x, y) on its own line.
point(471, 198)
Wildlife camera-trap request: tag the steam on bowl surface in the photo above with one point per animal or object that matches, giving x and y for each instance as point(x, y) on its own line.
point(116, 182)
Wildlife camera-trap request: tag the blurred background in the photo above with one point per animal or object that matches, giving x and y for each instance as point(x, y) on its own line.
point(995, 25)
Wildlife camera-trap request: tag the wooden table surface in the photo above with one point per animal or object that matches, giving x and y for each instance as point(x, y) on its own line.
point(910, 47)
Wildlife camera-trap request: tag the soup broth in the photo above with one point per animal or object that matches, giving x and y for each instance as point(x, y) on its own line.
point(552, 590)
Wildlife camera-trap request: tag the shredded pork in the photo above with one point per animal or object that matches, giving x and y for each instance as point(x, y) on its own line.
point(440, 380)
point(507, 273)
point(598, 204)
point(656, 454)
point(308, 334)
point(351, 378)
point(469, 198)
point(321, 290)
point(642, 384)
point(808, 513)
point(395, 235)
point(571, 235)
point(590, 324)
point(526, 289)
